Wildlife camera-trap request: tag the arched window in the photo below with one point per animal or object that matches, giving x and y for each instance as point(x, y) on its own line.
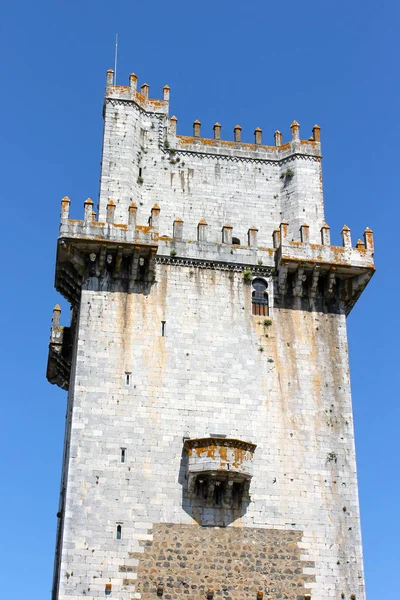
point(259, 298)
point(119, 532)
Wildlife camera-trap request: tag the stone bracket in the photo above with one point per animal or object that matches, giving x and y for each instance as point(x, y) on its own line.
point(343, 280)
point(80, 258)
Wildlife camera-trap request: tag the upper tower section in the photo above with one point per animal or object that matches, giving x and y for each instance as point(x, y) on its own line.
point(145, 161)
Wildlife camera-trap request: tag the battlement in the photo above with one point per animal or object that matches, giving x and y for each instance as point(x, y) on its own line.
point(130, 93)
point(60, 351)
point(130, 251)
point(277, 151)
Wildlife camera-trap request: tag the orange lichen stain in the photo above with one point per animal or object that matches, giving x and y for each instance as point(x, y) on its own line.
point(223, 453)
point(165, 238)
point(183, 139)
point(98, 223)
point(269, 251)
point(120, 225)
point(209, 451)
point(75, 221)
point(140, 97)
point(239, 456)
point(310, 142)
point(120, 88)
point(157, 103)
point(145, 228)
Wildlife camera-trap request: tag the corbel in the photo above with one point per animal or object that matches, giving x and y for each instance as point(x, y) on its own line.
point(282, 279)
point(330, 283)
point(299, 278)
point(314, 281)
point(118, 262)
point(101, 265)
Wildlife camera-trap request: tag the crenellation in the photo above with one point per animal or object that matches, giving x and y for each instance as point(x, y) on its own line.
point(209, 444)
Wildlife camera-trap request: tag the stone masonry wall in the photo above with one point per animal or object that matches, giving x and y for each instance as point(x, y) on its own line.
point(218, 370)
point(199, 184)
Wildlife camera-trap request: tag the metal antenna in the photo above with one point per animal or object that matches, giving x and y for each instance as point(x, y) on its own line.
point(115, 59)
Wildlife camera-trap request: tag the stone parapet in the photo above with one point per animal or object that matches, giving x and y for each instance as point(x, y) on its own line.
point(89, 248)
point(343, 271)
point(130, 93)
point(60, 351)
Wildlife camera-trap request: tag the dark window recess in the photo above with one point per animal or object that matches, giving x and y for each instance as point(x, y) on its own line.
point(123, 454)
point(201, 488)
point(119, 532)
point(163, 323)
point(237, 493)
point(259, 298)
point(236, 241)
point(140, 171)
point(127, 378)
point(219, 492)
point(142, 270)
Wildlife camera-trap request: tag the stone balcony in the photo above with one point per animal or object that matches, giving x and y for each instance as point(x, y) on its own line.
point(219, 470)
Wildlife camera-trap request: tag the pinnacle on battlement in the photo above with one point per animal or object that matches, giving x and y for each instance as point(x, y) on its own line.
point(316, 130)
point(202, 231)
point(295, 127)
point(133, 81)
point(88, 210)
point(278, 138)
point(172, 125)
point(237, 133)
point(325, 235)
point(166, 90)
point(227, 234)
point(369, 239)
point(252, 236)
point(217, 131)
point(55, 321)
point(110, 77)
point(178, 229)
point(196, 128)
point(258, 135)
point(346, 236)
point(110, 211)
point(144, 88)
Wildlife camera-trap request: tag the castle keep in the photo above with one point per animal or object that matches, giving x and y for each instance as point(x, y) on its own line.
point(209, 448)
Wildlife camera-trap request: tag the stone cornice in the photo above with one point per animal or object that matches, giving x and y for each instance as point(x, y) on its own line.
point(217, 441)
point(214, 265)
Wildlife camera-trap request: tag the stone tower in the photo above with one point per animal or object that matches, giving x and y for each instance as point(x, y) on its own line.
point(209, 448)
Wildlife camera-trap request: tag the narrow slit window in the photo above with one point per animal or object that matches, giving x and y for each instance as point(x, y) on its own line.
point(123, 454)
point(163, 324)
point(140, 171)
point(128, 378)
point(119, 532)
point(259, 298)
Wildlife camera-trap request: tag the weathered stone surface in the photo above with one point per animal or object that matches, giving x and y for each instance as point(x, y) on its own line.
point(163, 348)
point(234, 562)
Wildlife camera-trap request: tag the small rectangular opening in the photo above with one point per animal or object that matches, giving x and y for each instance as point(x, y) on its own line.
point(163, 324)
point(128, 378)
point(123, 454)
point(140, 171)
point(119, 532)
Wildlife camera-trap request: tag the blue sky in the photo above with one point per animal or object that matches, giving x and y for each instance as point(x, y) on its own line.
point(256, 64)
